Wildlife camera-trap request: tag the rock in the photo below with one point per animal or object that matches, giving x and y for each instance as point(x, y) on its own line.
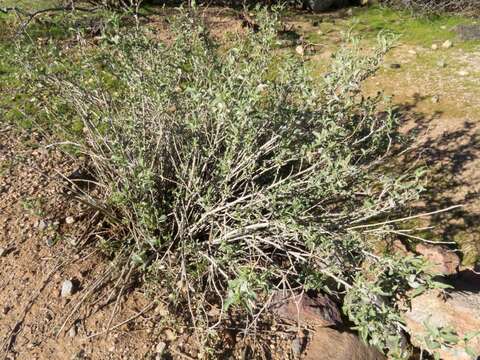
point(70, 220)
point(412, 52)
point(435, 99)
point(3, 252)
point(460, 311)
point(320, 5)
point(67, 289)
point(434, 47)
point(50, 241)
point(463, 73)
point(395, 66)
point(447, 44)
point(317, 312)
point(169, 335)
point(332, 344)
point(42, 225)
point(444, 262)
point(441, 64)
point(300, 50)
point(160, 348)
point(73, 331)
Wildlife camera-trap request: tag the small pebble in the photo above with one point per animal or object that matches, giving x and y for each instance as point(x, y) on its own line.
point(441, 64)
point(73, 331)
point(169, 335)
point(160, 348)
point(300, 50)
point(42, 225)
point(447, 44)
point(463, 73)
point(69, 220)
point(67, 289)
point(435, 99)
point(434, 47)
point(413, 52)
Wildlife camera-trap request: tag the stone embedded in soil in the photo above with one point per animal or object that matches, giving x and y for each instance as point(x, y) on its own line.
point(441, 64)
point(300, 50)
point(42, 225)
point(67, 289)
point(444, 261)
point(447, 44)
point(69, 220)
point(169, 335)
point(73, 331)
point(458, 310)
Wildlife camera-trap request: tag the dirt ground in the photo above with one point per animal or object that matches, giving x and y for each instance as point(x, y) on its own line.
point(41, 227)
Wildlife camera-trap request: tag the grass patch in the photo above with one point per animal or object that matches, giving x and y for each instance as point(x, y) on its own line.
point(423, 31)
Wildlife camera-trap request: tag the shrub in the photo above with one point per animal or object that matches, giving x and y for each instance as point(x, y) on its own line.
point(224, 173)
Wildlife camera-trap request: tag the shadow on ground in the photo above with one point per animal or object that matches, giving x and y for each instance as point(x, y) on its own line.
point(452, 156)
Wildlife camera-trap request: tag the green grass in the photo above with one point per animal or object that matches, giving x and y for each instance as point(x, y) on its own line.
point(416, 30)
point(30, 5)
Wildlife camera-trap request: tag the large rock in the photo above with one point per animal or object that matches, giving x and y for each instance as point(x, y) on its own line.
point(332, 344)
point(321, 313)
point(460, 311)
